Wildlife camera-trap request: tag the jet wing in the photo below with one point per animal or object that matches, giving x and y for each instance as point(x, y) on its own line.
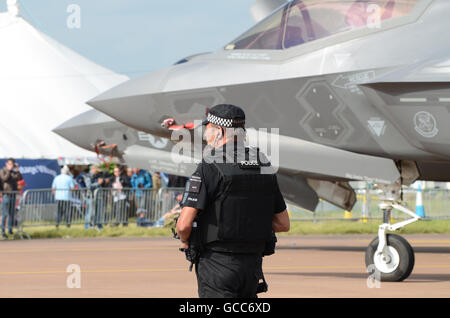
point(294, 156)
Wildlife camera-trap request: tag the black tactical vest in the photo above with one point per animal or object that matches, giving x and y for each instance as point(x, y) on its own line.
point(240, 218)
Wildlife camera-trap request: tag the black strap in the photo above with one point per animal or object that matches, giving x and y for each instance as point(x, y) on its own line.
point(262, 287)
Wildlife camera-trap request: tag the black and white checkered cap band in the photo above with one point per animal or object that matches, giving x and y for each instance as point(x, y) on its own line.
point(223, 122)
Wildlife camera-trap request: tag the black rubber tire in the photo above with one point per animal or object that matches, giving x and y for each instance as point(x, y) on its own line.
point(405, 252)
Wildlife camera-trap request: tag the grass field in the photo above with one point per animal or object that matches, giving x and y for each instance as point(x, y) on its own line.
point(297, 228)
point(76, 231)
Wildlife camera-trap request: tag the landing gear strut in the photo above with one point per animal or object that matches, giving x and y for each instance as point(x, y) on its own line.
point(390, 254)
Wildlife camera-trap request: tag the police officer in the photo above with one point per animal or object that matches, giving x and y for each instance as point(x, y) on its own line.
point(232, 206)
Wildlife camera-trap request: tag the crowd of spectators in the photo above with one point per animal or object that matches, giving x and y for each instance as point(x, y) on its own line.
point(125, 188)
point(124, 193)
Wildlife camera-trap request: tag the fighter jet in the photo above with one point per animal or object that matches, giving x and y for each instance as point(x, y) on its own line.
point(139, 149)
point(357, 77)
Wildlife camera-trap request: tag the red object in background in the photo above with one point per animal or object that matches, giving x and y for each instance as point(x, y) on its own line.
point(176, 127)
point(22, 184)
point(167, 123)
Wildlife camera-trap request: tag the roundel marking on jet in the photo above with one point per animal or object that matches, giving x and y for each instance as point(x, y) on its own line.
point(157, 142)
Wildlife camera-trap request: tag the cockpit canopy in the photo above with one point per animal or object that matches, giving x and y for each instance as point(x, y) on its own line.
point(300, 22)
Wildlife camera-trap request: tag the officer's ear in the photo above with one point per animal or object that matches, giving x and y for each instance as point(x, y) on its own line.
point(220, 133)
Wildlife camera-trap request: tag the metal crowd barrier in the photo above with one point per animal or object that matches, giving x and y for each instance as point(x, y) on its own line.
point(167, 199)
point(115, 207)
point(47, 207)
point(104, 206)
point(10, 204)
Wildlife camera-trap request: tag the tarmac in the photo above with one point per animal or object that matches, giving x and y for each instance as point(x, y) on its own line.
point(303, 266)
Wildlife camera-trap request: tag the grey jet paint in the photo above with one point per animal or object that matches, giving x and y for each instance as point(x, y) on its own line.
point(310, 70)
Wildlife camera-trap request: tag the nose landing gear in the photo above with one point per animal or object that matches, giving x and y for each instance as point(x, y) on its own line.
point(390, 254)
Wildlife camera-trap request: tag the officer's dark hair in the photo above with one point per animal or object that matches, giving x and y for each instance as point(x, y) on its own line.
point(12, 160)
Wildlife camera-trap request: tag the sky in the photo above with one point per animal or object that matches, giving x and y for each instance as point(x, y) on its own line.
point(135, 37)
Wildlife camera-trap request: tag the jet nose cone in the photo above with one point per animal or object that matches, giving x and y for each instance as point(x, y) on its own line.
point(82, 129)
point(73, 132)
point(134, 102)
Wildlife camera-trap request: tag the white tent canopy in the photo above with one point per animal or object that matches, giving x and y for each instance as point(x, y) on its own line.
point(42, 84)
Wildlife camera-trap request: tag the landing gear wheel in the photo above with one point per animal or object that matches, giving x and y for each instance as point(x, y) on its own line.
point(396, 263)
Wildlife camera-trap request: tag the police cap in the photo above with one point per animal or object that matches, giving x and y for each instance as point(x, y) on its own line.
point(226, 115)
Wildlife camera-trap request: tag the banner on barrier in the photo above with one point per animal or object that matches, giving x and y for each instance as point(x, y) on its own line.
point(38, 174)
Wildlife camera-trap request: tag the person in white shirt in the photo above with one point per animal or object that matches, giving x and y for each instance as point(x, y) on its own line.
point(61, 189)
